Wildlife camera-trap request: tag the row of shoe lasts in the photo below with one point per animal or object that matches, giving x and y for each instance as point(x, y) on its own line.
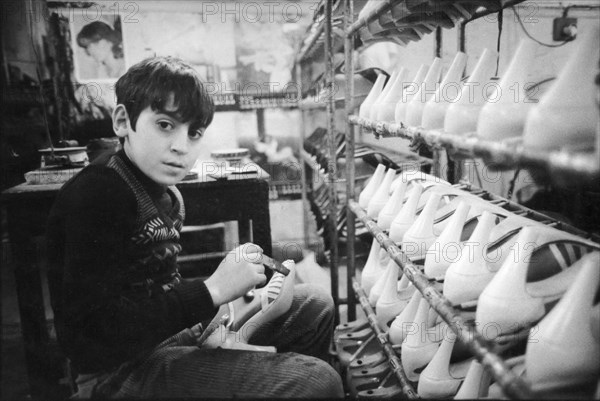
point(566, 116)
point(502, 271)
point(409, 21)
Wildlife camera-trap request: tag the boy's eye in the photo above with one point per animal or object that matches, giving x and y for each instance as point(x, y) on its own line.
point(197, 134)
point(166, 125)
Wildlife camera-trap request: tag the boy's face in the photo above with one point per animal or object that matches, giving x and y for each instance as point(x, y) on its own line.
point(162, 146)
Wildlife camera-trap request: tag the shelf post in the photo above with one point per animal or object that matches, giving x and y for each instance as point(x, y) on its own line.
point(350, 168)
point(332, 167)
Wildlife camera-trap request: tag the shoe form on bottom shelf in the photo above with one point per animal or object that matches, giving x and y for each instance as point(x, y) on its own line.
point(373, 269)
point(402, 324)
point(394, 297)
point(366, 377)
point(412, 177)
point(446, 248)
point(407, 214)
point(532, 279)
point(350, 345)
point(466, 279)
point(392, 207)
point(275, 300)
point(422, 234)
point(476, 384)
point(388, 388)
point(422, 340)
point(371, 187)
point(381, 195)
point(565, 349)
point(441, 379)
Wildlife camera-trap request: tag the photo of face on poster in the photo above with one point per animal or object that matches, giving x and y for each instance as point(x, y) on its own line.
point(97, 47)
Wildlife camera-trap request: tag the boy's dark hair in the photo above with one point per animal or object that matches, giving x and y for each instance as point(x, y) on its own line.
point(151, 82)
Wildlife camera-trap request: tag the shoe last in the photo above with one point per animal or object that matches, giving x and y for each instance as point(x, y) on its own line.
point(469, 275)
point(404, 322)
point(436, 107)
point(375, 107)
point(413, 177)
point(409, 92)
point(394, 297)
point(446, 248)
point(406, 216)
point(377, 289)
point(504, 115)
point(392, 207)
point(381, 195)
point(476, 384)
point(461, 116)
point(369, 190)
point(535, 275)
point(567, 115)
point(276, 299)
point(364, 110)
point(422, 341)
point(565, 349)
point(440, 379)
point(387, 107)
point(420, 236)
point(372, 269)
point(414, 109)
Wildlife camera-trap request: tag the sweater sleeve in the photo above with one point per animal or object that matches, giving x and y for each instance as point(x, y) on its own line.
point(103, 321)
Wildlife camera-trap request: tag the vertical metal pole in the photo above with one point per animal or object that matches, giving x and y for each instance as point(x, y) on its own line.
point(459, 165)
point(438, 153)
point(300, 150)
point(332, 168)
point(350, 170)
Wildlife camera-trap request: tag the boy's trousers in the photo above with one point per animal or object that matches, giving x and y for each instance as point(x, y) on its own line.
point(177, 368)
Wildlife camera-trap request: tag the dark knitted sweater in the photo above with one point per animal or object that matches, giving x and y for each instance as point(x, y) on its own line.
point(113, 241)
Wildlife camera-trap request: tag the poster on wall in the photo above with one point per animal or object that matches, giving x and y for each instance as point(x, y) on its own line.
point(98, 46)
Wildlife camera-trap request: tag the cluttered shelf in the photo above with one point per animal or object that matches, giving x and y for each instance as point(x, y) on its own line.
point(564, 166)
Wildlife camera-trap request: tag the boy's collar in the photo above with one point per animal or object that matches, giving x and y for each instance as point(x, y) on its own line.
point(153, 188)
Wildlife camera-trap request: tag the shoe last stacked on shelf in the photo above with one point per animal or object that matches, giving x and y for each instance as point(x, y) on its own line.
point(422, 340)
point(408, 93)
point(373, 268)
point(381, 195)
point(399, 191)
point(567, 115)
point(461, 116)
point(387, 106)
point(540, 268)
point(371, 187)
point(476, 383)
point(436, 107)
point(394, 297)
point(565, 349)
point(364, 110)
point(376, 106)
point(441, 378)
point(504, 114)
point(414, 109)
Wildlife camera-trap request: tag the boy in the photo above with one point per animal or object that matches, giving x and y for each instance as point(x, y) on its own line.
point(124, 316)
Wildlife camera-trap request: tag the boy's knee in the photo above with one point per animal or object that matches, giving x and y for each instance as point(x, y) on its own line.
point(317, 296)
point(323, 381)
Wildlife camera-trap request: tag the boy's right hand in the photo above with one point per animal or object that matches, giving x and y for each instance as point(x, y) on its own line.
point(239, 272)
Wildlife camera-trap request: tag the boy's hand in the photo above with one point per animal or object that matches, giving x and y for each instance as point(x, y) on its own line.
point(240, 271)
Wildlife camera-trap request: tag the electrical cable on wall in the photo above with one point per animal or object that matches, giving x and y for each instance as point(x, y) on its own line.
point(531, 37)
point(500, 21)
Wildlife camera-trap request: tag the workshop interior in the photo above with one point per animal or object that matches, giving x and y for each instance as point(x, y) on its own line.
point(432, 165)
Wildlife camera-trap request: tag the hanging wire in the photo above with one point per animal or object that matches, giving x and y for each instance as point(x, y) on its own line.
point(500, 21)
point(531, 37)
point(39, 77)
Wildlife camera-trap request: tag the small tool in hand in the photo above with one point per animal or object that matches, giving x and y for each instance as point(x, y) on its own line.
point(275, 265)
